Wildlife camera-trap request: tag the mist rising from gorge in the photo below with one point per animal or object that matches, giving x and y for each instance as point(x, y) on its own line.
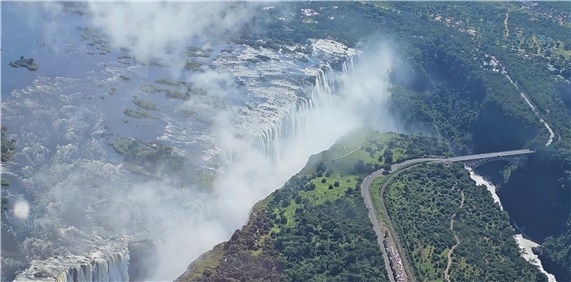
point(185, 220)
point(250, 174)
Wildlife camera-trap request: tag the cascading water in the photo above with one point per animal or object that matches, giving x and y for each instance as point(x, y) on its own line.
point(291, 124)
point(66, 124)
point(99, 266)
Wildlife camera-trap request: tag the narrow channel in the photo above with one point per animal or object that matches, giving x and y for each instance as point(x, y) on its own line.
point(525, 244)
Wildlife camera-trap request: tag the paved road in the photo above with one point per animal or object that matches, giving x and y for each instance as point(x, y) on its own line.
point(490, 155)
point(373, 217)
point(380, 227)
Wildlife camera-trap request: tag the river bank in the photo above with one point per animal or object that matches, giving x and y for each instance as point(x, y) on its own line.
point(525, 244)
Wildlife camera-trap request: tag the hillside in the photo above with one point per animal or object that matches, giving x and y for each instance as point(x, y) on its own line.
point(316, 226)
point(451, 227)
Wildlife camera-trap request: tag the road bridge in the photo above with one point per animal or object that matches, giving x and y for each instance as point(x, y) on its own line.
point(473, 161)
point(386, 235)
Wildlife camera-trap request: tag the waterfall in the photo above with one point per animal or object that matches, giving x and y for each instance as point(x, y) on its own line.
point(72, 268)
point(291, 123)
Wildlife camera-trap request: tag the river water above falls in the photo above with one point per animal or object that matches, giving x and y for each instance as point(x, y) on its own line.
point(525, 244)
point(256, 122)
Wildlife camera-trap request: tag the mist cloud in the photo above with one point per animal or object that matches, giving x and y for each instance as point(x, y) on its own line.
point(186, 222)
point(250, 174)
point(148, 29)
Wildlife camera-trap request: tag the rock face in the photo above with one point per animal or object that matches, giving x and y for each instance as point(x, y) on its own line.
point(143, 254)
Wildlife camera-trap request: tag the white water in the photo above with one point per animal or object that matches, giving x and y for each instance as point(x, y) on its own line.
point(98, 266)
point(480, 180)
point(527, 254)
point(525, 245)
point(292, 124)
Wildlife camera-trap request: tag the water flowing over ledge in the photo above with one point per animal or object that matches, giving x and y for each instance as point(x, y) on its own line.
point(281, 96)
point(101, 265)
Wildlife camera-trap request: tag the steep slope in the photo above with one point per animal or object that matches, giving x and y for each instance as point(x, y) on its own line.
point(450, 226)
point(316, 226)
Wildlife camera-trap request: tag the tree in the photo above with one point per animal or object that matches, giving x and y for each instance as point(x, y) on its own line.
point(387, 167)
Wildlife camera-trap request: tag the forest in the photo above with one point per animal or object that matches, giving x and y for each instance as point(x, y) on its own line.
point(315, 228)
point(422, 200)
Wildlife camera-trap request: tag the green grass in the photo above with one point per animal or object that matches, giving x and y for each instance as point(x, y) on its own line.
point(208, 260)
point(145, 104)
point(375, 191)
point(193, 65)
point(138, 114)
point(167, 81)
point(172, 93)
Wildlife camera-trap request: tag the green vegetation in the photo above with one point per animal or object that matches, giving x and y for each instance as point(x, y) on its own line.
point(138, 114)
point(193, 65)
point(8, 150)
point(169, 82)
point(8, 146)
point(25, 63)
point(453, 57)
point(147, 157)
point(173, 89)
point(145, 104)
point(96, 40)
point(205, 264)
point(183, 95)
point(421, 202)
point(315, 228)
point(554, 254)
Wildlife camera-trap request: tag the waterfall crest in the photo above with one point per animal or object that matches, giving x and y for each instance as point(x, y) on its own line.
point(99, 266)
point(291, 124)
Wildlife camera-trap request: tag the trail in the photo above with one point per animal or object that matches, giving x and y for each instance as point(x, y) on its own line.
point(446, 274)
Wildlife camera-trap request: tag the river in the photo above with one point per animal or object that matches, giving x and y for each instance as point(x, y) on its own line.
point(525, 244)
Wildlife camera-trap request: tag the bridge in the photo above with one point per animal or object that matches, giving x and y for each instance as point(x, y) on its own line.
point(386, 235)
point(515, 156)
point(473, 161)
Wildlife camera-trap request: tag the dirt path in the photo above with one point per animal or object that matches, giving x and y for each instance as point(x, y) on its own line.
point(446, 274)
